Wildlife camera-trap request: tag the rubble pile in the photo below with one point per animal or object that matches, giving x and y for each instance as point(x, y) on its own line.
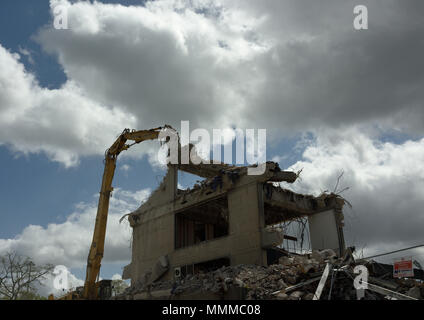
point(295, 277)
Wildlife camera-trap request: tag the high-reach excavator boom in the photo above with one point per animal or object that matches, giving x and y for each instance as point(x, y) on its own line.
point(95, 255)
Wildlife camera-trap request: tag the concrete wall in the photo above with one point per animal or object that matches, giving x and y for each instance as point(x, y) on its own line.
point(246, 223)
point(324, 232)
point(151, 240)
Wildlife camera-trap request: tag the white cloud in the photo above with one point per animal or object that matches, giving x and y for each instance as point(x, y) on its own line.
point(160, 62)
point(27, 54)
point(116, 277)
point(318, 71)
point(68, 243)
point(64, 123)
point(386, 186)
point(125, 167)
point(219, 64)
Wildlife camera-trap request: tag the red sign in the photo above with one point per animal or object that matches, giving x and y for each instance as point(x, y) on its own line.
point(403, 268)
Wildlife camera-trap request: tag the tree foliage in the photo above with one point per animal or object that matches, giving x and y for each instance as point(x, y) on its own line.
point(19, 276)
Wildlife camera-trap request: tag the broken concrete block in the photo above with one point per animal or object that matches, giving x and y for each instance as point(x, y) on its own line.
point(287, 176)
point(317, 256)
point(282, 296)
point(291, 279)
point(328, 254)
point(308, 296)
point(141, 296)
point(323, 255)
point(300, 260)
point(286, 261)
point(161, 294)
point(315, 262)
point(297, 295)
point(307, 268)
point(126, 274)
point(272, 237)
point(160, 268)
point(143, 281)
point(239, 282)
point(414, 292)
point(224, 287)
point(282, 284)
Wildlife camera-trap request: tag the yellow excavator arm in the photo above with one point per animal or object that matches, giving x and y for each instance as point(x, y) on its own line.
point(95, 255)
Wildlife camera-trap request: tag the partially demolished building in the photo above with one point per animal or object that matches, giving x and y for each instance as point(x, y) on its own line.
point(225, 220)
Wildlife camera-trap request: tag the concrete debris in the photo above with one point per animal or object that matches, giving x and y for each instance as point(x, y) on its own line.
point(414, 292)
point(295, 277)
point(297, 295)
point(282, 296)
point(160, 268)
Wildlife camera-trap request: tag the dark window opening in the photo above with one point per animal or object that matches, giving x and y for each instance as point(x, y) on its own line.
point(201, 223)
point(273, 254)
point(275, 214)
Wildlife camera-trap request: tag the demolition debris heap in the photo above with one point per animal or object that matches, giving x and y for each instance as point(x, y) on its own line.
point(319, 275)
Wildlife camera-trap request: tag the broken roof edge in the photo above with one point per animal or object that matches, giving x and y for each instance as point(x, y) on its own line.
point(322, 196)
point(293, 204)
point(206, 168)
point(216, 176)
point(211, 170)
point(289, 205)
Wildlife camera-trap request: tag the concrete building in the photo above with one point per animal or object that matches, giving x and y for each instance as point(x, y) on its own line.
point(227, 219)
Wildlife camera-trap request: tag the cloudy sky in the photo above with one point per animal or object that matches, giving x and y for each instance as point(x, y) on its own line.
point(333, 99)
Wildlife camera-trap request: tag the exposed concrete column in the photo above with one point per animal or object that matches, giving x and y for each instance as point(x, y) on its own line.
point(171, 182)
point(245, 225)
point(153, 238)
point(261, 217)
